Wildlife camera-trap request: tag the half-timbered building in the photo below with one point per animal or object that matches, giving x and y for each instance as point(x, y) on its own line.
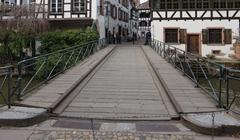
point(109, 15)
point(144, 18)
point(204, 27)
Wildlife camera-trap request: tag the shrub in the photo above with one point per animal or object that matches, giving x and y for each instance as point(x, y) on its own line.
point(57, 40)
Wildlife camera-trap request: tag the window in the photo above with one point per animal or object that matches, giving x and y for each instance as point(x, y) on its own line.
point(216, 52)
point(192, 4)
point(215, 36)
point(175, 4)
point(101, 8)
point(237, 4)
point(184, 4)
point(113, 11)
point(162, 4)
point(169, 4)
point(230, 4)
point(205, 4)
point(171, 35)
point(143, 23)
point(145, 15)
point(195, 4)
point(79, 6)
point(223, 4)
point(199, 4)
point(56, 6)
point(215, 4)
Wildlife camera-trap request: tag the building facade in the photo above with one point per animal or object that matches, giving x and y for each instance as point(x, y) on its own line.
point(203, 27)
point(110, 16)
point(144, 19)
point(116, 17)
point(133, 21)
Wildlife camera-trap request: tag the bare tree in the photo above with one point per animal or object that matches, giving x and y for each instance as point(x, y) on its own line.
point(19, 28)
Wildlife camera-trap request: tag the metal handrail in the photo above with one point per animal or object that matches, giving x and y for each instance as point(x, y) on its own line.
point(34, 72)
point(197, 69)
point(6, 91)
point(58, 51)
point(65, 59)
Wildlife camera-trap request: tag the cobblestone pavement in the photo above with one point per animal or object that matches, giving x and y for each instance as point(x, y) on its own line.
point(49, 131)
point(87, 135)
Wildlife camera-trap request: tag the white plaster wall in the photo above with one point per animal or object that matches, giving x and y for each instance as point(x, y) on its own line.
point(101, 26)
point(95, 4)
point(196, 27)
point(67, 7)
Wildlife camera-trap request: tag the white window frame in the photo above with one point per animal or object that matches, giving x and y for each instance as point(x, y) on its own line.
point(79, 2)
point(56, 6)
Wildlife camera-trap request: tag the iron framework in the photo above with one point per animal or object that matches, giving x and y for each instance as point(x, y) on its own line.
point(215, 79)
point(28, 75)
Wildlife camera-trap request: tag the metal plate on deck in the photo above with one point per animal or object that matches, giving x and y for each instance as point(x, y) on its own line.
point(156, 127)
point(77, 124)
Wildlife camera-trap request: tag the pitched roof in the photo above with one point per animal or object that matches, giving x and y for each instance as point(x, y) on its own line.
point(144, 5)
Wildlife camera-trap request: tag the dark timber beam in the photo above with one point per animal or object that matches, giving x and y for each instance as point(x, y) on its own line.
point(195, 10)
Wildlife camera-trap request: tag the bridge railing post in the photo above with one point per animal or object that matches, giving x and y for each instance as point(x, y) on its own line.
point(19, 81)
point(184, 62)
point(220, 86)
point(175, 57)
point(198, 63)
point(164, 50)
point(227, 88)
point(10, 86)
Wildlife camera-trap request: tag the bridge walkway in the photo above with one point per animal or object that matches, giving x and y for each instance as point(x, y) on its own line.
point(123, 88)
point(181, 90)
point(50, 94)
point(125, 82)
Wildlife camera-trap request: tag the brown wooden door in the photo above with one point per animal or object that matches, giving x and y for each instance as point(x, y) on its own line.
point(193, 43)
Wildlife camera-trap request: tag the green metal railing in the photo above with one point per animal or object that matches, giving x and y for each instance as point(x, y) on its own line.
point(32, 73)
point(6, 84)
point(220, 82)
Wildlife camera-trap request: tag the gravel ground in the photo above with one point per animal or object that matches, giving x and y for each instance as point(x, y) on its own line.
point(87, 135)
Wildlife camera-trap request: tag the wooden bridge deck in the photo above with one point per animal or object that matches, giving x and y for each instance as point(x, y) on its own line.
point(188, 98)
point(124, 87)
point(50, 93)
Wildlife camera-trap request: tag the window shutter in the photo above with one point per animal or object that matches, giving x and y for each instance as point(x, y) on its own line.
point(115, 12)
point(183, 36)
point(205, 36)
point(228, 36)
point(112, 11)
point(101, 7)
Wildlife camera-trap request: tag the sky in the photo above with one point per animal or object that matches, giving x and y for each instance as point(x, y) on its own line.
point(142, 1)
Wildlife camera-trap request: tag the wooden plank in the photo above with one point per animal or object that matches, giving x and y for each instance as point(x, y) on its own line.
point(49, 93)
point(122, 88)
point(182, 89)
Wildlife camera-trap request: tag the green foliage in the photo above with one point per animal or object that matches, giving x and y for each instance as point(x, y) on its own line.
point(46, 65)
point(57, 40)
point(11, 44)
